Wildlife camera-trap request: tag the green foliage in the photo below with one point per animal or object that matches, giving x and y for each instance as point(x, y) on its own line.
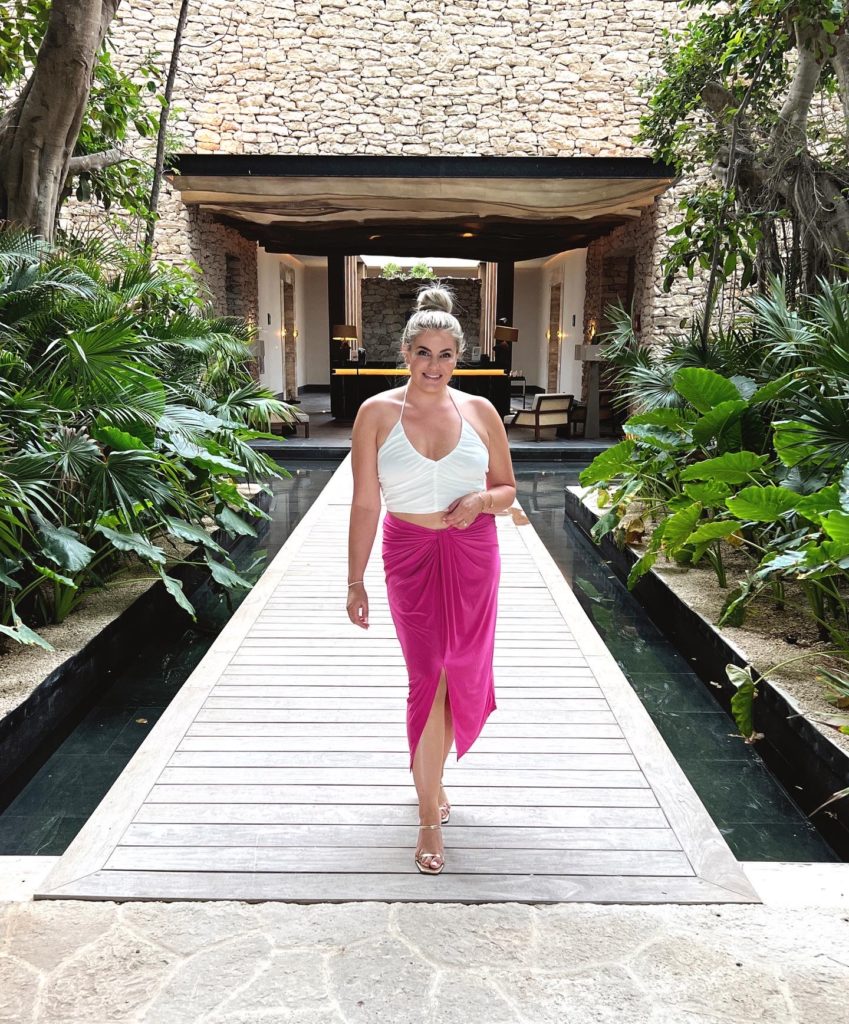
point(125, 415)
point(419, 271)
point(121, 107)
point(722, 80)
point(757, 459)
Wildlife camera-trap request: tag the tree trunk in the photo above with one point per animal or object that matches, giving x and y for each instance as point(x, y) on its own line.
point(39, 130)
point(159, 164)
point(840, 63)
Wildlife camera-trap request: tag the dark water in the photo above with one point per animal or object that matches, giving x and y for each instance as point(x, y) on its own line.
point(753, 811)
point(74, 776)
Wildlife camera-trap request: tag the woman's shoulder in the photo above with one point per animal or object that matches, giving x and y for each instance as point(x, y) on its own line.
point(381, 407)
point(479, 406)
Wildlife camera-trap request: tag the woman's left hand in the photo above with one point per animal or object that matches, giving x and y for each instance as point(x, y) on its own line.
point(464, 511)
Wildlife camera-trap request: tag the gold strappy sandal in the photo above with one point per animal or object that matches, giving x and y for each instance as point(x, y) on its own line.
point(444, 809)
point(423, 860)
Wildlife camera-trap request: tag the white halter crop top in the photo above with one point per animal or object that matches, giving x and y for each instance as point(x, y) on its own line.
point(413, 483)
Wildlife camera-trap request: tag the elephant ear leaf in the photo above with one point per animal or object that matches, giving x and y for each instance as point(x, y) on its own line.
point(227, 577)
point(792, 441)
point(23, 634)
point(836, 525)
point(679, 527)
point(720, 418)
point(609, 464)
point(731, 468)
point(134, 542)
point(844, 488)
point(64, 547)
point(703, 388)
point(762, 504)
point(742, 703)
point(175, 589)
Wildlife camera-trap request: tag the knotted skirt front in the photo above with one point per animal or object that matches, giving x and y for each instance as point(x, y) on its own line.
point(442, 587)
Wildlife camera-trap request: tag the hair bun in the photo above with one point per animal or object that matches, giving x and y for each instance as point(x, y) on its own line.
point(435, 297)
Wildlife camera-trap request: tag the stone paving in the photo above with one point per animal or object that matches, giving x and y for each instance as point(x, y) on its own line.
point(235, 963)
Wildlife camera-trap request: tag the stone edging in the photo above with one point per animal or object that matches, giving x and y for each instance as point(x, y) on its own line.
point(807, 763)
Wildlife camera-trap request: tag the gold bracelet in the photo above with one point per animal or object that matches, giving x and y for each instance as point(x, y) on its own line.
point(355, 583)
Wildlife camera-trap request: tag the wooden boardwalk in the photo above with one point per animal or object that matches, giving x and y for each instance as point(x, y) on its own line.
point(279, 772)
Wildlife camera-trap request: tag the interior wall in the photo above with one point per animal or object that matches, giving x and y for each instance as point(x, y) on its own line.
point(529, 350)
point(269, 323)
point(270, 320)
point(574, 276)
point(315, 332)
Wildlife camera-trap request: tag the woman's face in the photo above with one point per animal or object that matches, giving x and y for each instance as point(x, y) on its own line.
point(431, 357)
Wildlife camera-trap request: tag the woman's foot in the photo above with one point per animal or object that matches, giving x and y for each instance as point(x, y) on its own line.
point(430, 854)
point(444, 805)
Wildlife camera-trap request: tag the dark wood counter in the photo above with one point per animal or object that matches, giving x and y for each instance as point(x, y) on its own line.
point(349, 388)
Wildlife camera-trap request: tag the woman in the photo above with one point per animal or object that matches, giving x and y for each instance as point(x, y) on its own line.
point(442, 461)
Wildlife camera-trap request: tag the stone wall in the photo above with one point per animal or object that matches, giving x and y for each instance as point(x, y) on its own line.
point(634, 240)
point(397, 77)
point(409, 77)
point(388, 303)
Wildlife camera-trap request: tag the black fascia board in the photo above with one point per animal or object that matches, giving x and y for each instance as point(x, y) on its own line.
point(279, 166)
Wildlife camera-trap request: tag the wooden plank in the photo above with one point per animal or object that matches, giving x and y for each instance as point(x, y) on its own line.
point(392, 690)
point(562, 700)
point(586, 711)
point(380, 778)
point(545, 736)
point(379, 815)
point(502, 796)
point(364, 836)
point(380, 860)
point(359, 760)
point(493, 752)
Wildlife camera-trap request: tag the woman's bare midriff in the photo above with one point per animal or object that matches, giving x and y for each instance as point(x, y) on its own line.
point(431, 520)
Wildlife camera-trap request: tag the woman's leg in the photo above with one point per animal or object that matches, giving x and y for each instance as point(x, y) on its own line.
point(427, 773)
point(446, 749)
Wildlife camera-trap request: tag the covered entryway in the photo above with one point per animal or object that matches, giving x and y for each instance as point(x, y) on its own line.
point(533, 226)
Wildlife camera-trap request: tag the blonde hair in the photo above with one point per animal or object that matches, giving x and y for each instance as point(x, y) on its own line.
point(433, 313)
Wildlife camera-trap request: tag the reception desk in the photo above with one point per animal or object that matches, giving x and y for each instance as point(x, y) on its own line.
point(349, 388)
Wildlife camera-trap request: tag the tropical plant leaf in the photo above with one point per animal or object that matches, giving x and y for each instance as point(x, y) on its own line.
point(20, 632)
point(710, 493)
point(118, 439)
point(814, 506)
point(63, 546)
point(703, 388)
point(762, 504)
point(57, 577)
point(836, 525)
point(721, 418)
point(793, 441)
point(234, 524)
point(609, 464)
point(133, 542)
point(731, 468)
point(175, 589)
point(714, 530)
point(227, 577)
point(679, 527)
point(191, 532)
point(743, 701)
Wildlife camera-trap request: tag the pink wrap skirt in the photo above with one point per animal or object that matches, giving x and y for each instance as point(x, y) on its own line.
point(443, 594)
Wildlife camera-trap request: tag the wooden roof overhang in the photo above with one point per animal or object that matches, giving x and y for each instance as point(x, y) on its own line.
point(482, 208)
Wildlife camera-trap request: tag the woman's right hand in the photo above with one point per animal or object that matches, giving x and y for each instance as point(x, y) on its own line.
point(358, 605)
